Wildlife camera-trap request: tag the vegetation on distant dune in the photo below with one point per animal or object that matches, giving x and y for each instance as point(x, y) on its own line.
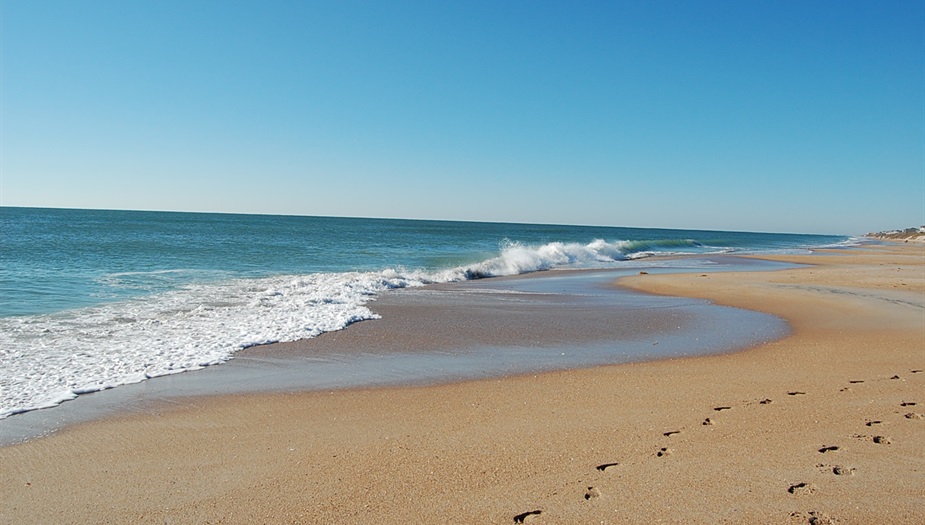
point(909, 234)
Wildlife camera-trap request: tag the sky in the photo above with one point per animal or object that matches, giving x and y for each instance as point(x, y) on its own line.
point(782, 116)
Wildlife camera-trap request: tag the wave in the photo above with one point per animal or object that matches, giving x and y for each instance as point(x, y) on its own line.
point(52, 358)
point(517, 258)
point(48, 359)
point(846, 243)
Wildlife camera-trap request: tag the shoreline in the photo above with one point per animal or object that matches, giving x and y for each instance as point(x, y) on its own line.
point(443, 333)
point(615, 444)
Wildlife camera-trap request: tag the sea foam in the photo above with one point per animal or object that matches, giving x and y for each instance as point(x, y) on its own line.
point(47, 359)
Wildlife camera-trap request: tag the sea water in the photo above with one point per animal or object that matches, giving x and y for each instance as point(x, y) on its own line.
point(92, 299)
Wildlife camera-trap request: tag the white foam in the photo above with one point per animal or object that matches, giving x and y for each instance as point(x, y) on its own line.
point(48, 359)
point(45, 360)
point(517, 258)
point(847, 243)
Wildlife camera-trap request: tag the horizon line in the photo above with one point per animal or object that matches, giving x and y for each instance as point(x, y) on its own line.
point(423, 219)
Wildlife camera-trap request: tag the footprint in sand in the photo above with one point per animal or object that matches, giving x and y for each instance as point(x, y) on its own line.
point(830, 448)
point(525, 517)
point(873, 422)
point(664, 451)
point(671, 433)
point(856, 381)
point(838, 470)
point(914, 415)
point(720, 409)
point(801, 489)
point(592, 493)
point(908, 404)
point(606, 466)
point(813, 517)
point(707, 422)
point(765, 402)
point(796, 393)
point(880, 440)
point(916, 371)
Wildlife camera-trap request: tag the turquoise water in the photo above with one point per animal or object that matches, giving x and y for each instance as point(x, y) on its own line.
point(53, 260)
point(93, 299)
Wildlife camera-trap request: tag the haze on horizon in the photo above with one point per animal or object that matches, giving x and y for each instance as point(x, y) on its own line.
point(776, 116)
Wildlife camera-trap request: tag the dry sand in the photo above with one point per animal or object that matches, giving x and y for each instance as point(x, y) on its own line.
point(825, 426)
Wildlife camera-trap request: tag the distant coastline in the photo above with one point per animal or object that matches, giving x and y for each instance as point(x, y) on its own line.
point(909, 234)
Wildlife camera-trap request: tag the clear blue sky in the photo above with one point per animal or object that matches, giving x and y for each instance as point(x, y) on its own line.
point(740, 115)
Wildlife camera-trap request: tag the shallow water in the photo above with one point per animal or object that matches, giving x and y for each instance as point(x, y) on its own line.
point(95, 299)
point(477, 329)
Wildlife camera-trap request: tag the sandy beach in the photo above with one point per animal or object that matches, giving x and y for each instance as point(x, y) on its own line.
point(824, 426)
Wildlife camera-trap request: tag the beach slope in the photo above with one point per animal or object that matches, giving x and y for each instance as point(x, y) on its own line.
point(824, 426)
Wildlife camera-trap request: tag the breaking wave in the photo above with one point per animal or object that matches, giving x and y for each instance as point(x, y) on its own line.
point(48, 359)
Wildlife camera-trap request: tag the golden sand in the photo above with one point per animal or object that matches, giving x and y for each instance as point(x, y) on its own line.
point(824, 426)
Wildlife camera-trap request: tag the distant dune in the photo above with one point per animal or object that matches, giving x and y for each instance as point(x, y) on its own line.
point(909, 234)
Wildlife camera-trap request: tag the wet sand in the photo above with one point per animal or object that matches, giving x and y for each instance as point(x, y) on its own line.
point(480, 329)
point(825, 425)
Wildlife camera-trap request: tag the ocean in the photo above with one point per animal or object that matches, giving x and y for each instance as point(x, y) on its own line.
point(93, 299)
